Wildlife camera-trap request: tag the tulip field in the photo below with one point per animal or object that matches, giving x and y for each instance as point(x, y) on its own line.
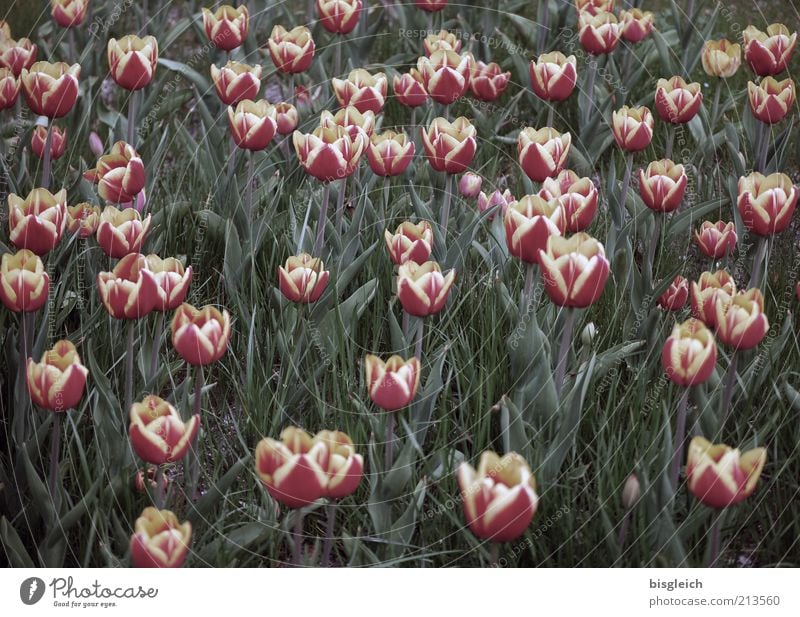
point(352, 283)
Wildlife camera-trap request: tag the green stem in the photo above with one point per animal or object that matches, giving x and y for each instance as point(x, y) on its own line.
point(47, 162)
point(330, 510)
point(727, 394)
point(448, 190)
point(590, 89)
point(680, 437)
point(55, 453)
point(390, 420)
point(563, 349)
point(716, 533)
point(715, 105)
point(420, 332)
point(129, 369)
point(651, 255)
point(297, 554)
point(156, 344)
point(758, 262)
point(550, 114)
point(132, 118)
point(323, 216)
point(623, 195)
point(623, 530)
point(340, 205)
point(766, 133)
point(670, 140)
point(158, 494)
point(384, 206)
point(494, 554)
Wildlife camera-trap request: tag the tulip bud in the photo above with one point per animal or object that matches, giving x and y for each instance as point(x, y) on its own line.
point(768, 53)
point(771, 100)
point(500, 498)
point(410, 242)
point(120, 174)
point(291, 50)
point(83, 219)
point(636, 24)
point(303, 278)
point(577, 196)
point(343, 466)
point(17, 55)
point(330, 152)
point(389, 153)
point(226, 27)
point(662, 185)
point(449, 146)
point(441, 40)
point(200, 336)
point(351, 119)
point(543, 152)
point(286, 118)
point(632, 128)
point(159, 540)
point(766, 203)
point(631, 492)
point(529, 223)
point(497, 198)
point(675, 296)
point(588, 333)
point(58, 142)
point(51, 89)
point(574, 270)
point(487, 81)
point(24, 284)
point(711, 288)
point(172, 281)
point(393, 384)
point(689, 354)
point(132, 60)
point(409, 89)
point(121, 232)
point(445, 75)
point(721, 58)
point(68, 13)
point(553, 76)
point(96, 144)
point(236, 82)
point(593, 7)
point(9, 88)
point(339, 16)
point(676, 101)
point(362, 90)
point(741, 322)
point(432, 6)
point(58, 381)
point(158, 434)
point(422, 288)
point(38, 221)
point(252, 124)
point(130, 290)
point(719, 476)
point(716, 239)
point(470, 185)
point(599, 34)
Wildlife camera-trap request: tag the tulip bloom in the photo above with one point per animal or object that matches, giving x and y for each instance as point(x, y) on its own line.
point(716, 239)
point(487, 81)
point(58, 381)
point(393, 384)
point(497, 198)
point(252, 124)
point(362, 90)
point(58, 142)
point(577, 196)
point(529, 223)
point(24, 284)
point(121, 232)
point(132, 60)
point(675, 296)
point(441, 40)
point(766, 203)
point(9, 88)
point(741, 322)
point(130, 290)
point(330, 152)
point(351, 119)
point(543, 152)
point(200, 336)
point(719, 476)
point(422, 288)
point(721, 58)
point(445, 75)
point(17, 55)
point(593, 7)
point(38, 221)
point(432, 6)
point(768, 53)
point(553, 76)
point(409, 242)
point(159, 540)
point(470, 185)
point(291, 50)
point(449, 146)
point(339, 16)
point(303, 278)
point(389, 153)
point(236, 82)
point(83, 219)
point(500, 498)
point(68, 13)
point(409, 89)
point(710, 289)
point(286, 118)
point(599, 34)
point(632, 128)
point(574, 270)
point(689, 354)
point(226, 27)
point(50, 89)
point(172, 281)
point(636, 24)
point(158, 434)
point(771, 100)
point(343, 466)
point(662, 185)
point(676, 101)
point(120, 174)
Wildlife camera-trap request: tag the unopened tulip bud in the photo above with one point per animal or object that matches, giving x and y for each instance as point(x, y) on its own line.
point(675, 296)
point(768, 53)
point(432, 6)
point(9, 88)
point(392, 384)
point(58, 381)
point(96, 144)
point(631, 492)
point(303, 278)
point(719, 476)
point(689, 354)
point(496, 198)
point(470, 185)
point(58, 142)
point(159, 540)
point(286, 118)
point(588, 333)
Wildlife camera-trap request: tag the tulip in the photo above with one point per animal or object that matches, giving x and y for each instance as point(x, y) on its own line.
point(24, 284)
point(38, 221)
point(343, 466)
point(132, 60)
point(487, 81)
point(158, 434)
point(200, 336)
point(291, 50)
point(329, 153)
point(553, 76)
point(632, 128)
point(441, 40)
point(449, 146)
point(721, 58)
point(286, 118)
point(58, 381)
point(529, 223)
point(577, 196)
point(662, 185)
point(470, 185)
point(130, 290)
point(50, 89)
point(422, 288)
point(676, 101)
point(432, 6)
point(172, 281)
point(631, 492)
point(362, 90)
point(710, 289)
point(58, 143)
point(252, 124)
point(636, 24)
point(497, 198)
point(409, 89)
point(96, 144)
point(766, 203)
point(741, 322)
point(771, 100)
point(588, 334)
point(68, 13)
point(409, 242)
point(17, 55)
point(574, 270)
point(303, 278)
point(768, 53)
point(339, 16)
point(9, 88)
point(593, 7)
point(689, 354)
point(719, 476)
point(351, 119)
point(500, 498)
point(389, 153)
point(393, 384)
point(445, 75)
point(236, 82)
point(543, 152)
point(83, 219)
point(716, 239)
point(121, 232)
point(675, 296)
point(120, 174)
point(226, 27)
point(599, 34)
point(159, 540)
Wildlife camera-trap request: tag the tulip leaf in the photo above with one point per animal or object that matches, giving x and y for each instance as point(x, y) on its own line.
point(204, 506)
point(13, 546)
point(203, 84)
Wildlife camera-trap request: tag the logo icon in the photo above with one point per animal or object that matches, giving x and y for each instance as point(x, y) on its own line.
point(31, 590)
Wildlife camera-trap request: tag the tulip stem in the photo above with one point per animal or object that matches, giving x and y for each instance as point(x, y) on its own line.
point(156, 344)
point(337, 67)
point(158, 493)
point(766, 133)
point(550, 114)
point(231, 160)
point(420, 333)
point(55, 453)
point(193, 469)
point(340, 205)
point(494, 554)
point(563, 349)
point(389, 440)
point(680, 437)
point(727, 394)
point(623, 530)
point(327, 544)
point(323, 215)
point(448, 190)
point(715, 105)
point(670, 140)
point(297, 554)
point(651, 255)
point(589, 94)
point(249, 193)
point(385, 204)
point(128, 370)
point(758, 262)
point(132, 118)
point(144, 18)
point(626, 183)
point(716, 532)
point(47, 163)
